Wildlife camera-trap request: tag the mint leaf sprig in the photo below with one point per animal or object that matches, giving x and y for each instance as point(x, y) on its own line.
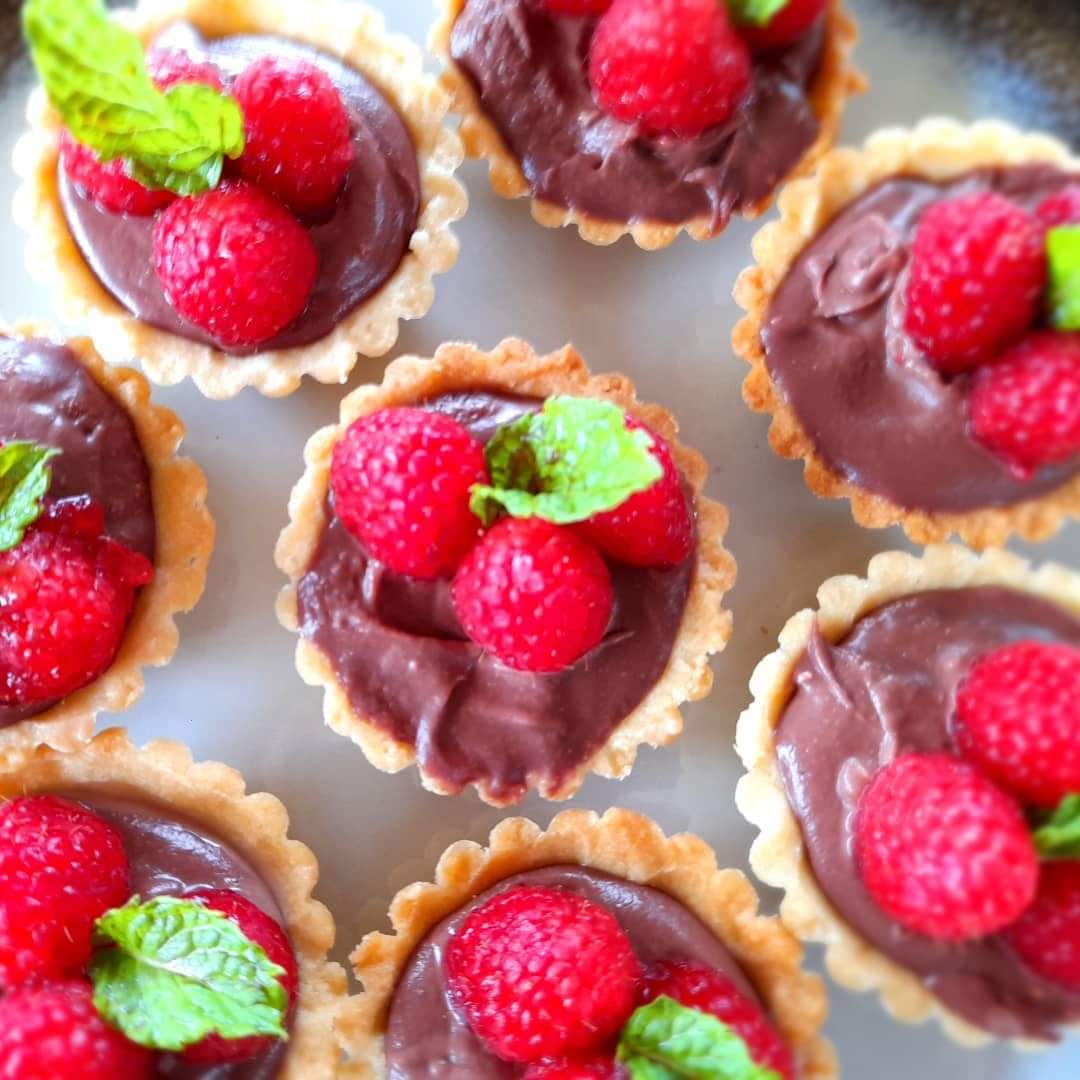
point(756, 12)
point(94, 73)
point(1063, 297)
point(1058, 835)
point(573, 459)
point(25, 477)
point(178, 971)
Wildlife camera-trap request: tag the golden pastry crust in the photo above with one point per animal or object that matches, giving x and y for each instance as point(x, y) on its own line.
point(185, 539)
point(938, 149)
point(626, 845)
point(256, 825)
point(837, 79)
point(346, 29)
point(514, 366)
point(778, 856)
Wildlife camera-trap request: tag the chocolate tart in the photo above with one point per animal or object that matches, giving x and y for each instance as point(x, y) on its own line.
point(389, 73)
point(827, 80)
point(864, 203)
point(193, 825)
point(456, 713)
point(620, 851)
point(155, 502)
point(977, 990)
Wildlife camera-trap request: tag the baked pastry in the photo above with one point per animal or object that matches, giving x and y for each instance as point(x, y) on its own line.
point(565, 101)
point(524, 657)
point(312, 216)
point(650, 910)
point(896, 332)
point(104, 536)
point(938, 694)
point(166, 858)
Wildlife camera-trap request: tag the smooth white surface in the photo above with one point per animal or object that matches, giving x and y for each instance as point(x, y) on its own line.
point(665, 319)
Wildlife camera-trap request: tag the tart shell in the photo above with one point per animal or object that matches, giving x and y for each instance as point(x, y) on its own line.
point(257, 825)
point(937, 149)
point(185, 539)
point(620, 843)
point(350, 31)
point(778, 856)
point(514, 366)
point(836, 80)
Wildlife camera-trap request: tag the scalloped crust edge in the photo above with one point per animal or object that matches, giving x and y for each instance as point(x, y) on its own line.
point(185, 539)
point(837, 79)
point(939, 149)
point(515, 366)
point(777, 856)
point(351, 31)
point(257, 825)
point(626, 845)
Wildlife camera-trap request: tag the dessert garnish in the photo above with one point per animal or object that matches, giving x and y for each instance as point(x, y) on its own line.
point(97, 983)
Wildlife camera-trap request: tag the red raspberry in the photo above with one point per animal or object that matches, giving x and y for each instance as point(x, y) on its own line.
point(541, 973)
point(1047, 937)
point(1017, 718)
point(707, 990)
point(653, 527)
point(1061, 208)
point(942, 850)
point(1026, 406)
point(534, 594)
point(401, 479)
point(590, 1068)
point(51, 1031)
point(978, 269)
point(258, 927)
point(109, 185)
point(298, 142)
point(235, 263)
point(786, 26)
point(168, 67)
point(576, 7)
point(65, 601)
point(674, 66)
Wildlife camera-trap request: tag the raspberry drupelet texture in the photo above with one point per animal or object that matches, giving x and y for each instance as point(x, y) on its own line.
point(1026, 406)
point(401, 479)
point(170, 67)
point(541, 973)
point(943, 850)
point(1017, 717)
point(1061, 208)
point(1047, 937)
point(298, 143)
point(977, 274)
point(109, 183)
point(577, 7)
point(51, 1031)
point(673, 66)
point(789, 24)
point(596, 1067)
point(234, 263)
point(709, 991)
point(535, 595)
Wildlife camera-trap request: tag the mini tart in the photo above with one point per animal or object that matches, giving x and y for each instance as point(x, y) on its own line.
point(185, 539)
point(778, 855)
point(835, 81)
point(625, 845)
point(350, 31)
point(163, 774)
point(516, 368)
point(937, 150)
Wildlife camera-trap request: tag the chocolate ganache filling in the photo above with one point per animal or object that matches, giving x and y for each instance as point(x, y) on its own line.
point(405, 663)
point(878, 413)
point(427, 1034)
point(359, 245)
point(887, 689)
point(529, 69)
point(48, 397)
point(169, 856)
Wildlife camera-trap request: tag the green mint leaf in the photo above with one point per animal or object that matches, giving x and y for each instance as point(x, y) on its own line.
point(1063, 253)
point(668, 1041)
point(94, 72)
point(573, 459)
point(25, 477)
point(179, 971)
point(1058, 837)
point(756, 12)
